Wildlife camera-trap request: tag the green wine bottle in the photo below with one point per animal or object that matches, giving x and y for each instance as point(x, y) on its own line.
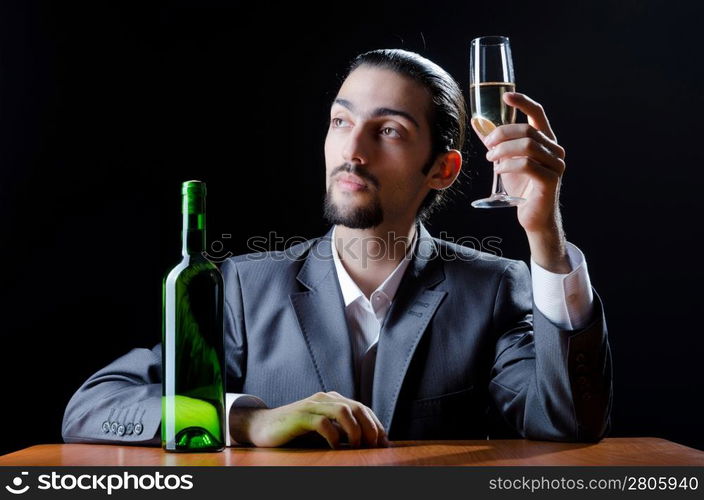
point(193, 354)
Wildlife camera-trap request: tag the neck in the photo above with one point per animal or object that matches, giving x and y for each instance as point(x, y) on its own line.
point(371, 255)
point(193, 234)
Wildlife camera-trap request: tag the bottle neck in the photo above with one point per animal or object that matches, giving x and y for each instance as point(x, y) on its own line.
point(193, 235)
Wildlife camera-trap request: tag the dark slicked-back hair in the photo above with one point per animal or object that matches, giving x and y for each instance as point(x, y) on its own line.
point(448, 115)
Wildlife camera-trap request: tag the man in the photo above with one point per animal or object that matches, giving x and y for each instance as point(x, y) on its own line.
point(353, 336)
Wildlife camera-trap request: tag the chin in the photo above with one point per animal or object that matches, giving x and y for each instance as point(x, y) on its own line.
point(351, 201)
point(353, 211)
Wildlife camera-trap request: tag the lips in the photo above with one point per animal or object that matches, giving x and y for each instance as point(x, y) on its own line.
point(351, 182)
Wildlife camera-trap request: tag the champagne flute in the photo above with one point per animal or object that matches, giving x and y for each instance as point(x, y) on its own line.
point(490, 76)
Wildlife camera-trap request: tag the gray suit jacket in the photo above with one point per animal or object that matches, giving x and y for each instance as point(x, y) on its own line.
point(462, 353)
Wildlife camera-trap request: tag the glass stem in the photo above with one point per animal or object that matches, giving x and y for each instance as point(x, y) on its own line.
point(498, 185)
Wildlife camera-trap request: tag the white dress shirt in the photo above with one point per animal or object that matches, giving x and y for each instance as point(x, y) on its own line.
point(366, 315)
point(565, 299)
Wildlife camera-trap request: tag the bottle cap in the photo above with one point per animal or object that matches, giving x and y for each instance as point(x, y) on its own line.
point(193, 197)
point(193, 187)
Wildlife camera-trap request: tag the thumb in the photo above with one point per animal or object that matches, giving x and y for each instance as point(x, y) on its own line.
point(482, 126)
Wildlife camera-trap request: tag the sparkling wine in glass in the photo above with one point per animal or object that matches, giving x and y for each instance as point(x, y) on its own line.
point(490, 76)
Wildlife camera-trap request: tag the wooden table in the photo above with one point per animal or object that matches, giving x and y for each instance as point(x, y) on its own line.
point(610, 451)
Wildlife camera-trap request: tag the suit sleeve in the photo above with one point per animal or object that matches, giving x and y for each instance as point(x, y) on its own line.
point(235, 346)
point(127, 391)
point(548, 383)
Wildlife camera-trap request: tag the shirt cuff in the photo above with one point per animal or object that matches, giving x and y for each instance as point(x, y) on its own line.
point(567, 300)
point(239, 401)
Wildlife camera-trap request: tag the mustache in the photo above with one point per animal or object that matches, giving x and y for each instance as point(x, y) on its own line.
point(355, 169)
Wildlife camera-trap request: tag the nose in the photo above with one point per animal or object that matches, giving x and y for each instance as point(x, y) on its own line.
point(355, 149)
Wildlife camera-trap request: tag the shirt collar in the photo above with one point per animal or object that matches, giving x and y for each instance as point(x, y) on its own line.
point(350, 290)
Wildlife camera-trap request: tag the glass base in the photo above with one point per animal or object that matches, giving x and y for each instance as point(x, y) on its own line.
point(498, 201)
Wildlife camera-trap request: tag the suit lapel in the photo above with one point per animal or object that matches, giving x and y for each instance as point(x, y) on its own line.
point(321, 318)
point(411, 311)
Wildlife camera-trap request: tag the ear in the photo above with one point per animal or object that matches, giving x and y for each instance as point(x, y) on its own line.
point(445, 170)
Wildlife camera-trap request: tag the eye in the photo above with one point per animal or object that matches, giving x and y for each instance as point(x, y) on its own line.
point(338, 122)
point(390, 132)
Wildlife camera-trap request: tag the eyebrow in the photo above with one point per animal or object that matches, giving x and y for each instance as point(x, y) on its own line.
point(378, 112)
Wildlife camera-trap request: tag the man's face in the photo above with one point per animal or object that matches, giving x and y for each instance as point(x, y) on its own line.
point(375, 149)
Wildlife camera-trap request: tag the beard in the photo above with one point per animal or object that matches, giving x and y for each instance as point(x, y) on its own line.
point(362, 217)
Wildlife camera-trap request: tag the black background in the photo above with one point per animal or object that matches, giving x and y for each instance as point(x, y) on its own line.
point(105, 108)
